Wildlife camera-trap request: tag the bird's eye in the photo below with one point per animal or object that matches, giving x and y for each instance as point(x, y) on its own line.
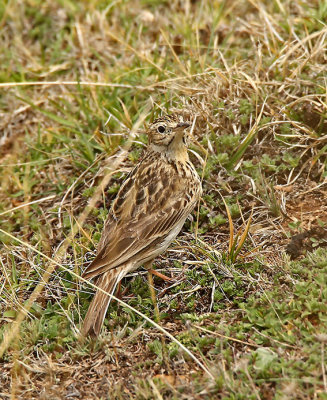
point(161, 129)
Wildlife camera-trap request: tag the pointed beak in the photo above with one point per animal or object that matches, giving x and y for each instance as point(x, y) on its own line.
point(180, 131)
point(182, 125)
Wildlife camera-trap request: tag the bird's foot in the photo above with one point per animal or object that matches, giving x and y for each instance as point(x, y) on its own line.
point(160, 275)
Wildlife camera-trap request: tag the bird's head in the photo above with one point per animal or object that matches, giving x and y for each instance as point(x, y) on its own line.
point(167, 133)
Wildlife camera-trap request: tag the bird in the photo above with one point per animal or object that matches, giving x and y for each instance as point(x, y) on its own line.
point(147, 214)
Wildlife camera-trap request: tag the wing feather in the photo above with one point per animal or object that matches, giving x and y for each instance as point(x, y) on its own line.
point(132, 244)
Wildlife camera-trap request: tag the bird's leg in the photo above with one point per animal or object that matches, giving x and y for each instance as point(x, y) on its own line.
point(160, 275)
point(148, 266)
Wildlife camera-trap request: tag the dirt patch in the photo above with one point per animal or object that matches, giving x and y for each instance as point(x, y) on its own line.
point(307, 241)
point(308, 210)
point(111, 368)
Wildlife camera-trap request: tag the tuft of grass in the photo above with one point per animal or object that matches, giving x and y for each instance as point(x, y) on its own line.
point(236, 243)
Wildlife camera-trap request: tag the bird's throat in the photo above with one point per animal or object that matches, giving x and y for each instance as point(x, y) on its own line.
point(176, 150)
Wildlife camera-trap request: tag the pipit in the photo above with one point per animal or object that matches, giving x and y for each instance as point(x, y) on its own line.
point(147, 214)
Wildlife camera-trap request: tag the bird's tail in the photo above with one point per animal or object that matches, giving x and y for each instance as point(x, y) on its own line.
point(99, 305)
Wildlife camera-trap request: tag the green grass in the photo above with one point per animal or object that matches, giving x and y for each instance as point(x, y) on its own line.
point(253, 74)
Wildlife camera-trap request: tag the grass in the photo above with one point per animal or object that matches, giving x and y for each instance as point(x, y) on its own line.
point(76, 81)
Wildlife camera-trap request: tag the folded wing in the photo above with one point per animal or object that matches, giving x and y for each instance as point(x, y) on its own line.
point(141, 218)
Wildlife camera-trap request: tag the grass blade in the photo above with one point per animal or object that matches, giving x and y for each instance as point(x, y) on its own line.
point(235, 158)
point(244, 235)
point(231, 227)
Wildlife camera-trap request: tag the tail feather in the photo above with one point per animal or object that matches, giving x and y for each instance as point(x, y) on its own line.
point(99, 305)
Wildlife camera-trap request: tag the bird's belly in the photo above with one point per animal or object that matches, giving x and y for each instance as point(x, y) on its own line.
point(171, 236)
point(161, 246)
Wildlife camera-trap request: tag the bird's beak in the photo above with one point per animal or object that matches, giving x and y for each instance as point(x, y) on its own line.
point(180, 131)
point(182, 125)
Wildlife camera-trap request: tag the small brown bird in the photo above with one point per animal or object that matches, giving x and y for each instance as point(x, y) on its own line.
point(147, 214)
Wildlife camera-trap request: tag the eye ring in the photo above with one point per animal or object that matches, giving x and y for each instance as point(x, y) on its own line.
point(161, 129)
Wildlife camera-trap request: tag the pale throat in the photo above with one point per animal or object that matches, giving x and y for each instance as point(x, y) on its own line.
point(175, 151)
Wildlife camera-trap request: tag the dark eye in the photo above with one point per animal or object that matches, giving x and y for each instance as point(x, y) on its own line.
point(161, 129)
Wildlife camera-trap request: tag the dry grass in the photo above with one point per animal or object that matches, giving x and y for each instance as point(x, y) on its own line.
point(76, 82)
